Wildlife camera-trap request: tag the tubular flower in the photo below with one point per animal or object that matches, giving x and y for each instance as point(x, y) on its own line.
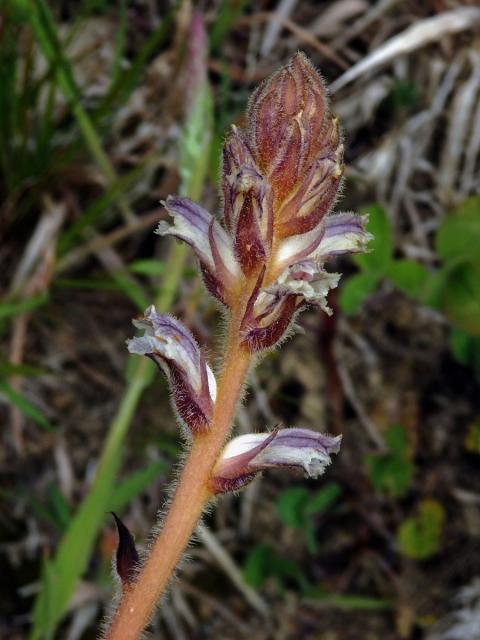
point(211, 243)
point(172, 347)
point(245, 456)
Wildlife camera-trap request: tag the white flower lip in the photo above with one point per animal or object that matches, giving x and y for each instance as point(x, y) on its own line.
point(198, 228)
point(338, 234)
point(249, 454)
point(173, 348)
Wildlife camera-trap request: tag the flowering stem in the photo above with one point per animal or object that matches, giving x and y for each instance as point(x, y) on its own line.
point(192, 493)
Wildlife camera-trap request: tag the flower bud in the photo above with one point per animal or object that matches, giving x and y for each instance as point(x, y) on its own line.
point(296, 144)
point(172, 347)
point(247, 455)
point(247, 204)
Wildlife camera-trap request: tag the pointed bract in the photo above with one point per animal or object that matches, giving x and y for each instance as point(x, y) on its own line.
point(172, 347)
point(126, 555)
point(247, 455)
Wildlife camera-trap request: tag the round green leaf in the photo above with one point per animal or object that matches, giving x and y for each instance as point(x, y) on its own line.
point(356, 290)
point(461, 298)
point(458, 237)
point(380, 248)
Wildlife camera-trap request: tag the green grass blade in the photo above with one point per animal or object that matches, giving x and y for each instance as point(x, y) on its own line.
point(137, 482)
point(25, 406)
point(8, 309)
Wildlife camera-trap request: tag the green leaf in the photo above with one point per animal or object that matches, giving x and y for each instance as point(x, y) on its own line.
point(408, 275)
point(8, 309)
point(322, 499)
point(419, 537)
point(227, 14)
point(460, 298)
point(257, 566)
point(350, 602)
point(291, 506)
point(25, 406)
point(465, 348)
point(264, 562)
point(458, 237)
point(392, 473)
point(381, 246)
point(356, 290)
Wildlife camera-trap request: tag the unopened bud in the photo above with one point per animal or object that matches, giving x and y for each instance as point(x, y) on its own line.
point(296, 144)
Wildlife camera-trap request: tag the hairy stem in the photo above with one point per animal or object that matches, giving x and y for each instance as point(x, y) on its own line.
point(191, 495)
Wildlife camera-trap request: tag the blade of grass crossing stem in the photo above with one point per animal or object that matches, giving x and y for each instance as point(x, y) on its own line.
point(71, 559)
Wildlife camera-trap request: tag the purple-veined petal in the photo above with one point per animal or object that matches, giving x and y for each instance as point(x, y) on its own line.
point(213, 246)
point(172, 347)
point(307, 280)
point(246, 455)
point(337, 234)
point(273, 309)
point(344, 233)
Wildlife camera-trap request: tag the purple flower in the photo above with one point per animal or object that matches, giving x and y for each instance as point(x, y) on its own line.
point(247, 455)
point(172, 347)
point(213, 246)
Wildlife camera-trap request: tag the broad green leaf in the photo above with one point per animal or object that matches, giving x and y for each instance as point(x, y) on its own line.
point(356, 290)
point(380, 248)
point(408, 275)
point(257, 566)
point(291, 506)
point(419, 537)
point(391, 473)
point(458, 237)
point(460, 298)
point(323, 498)
point(264, 562)
point(466, 349)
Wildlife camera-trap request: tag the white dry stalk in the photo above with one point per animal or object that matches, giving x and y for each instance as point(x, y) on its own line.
point(273, 28)
point(414, 37)
point(228, 565)
point(470, 181)
point(458, 132)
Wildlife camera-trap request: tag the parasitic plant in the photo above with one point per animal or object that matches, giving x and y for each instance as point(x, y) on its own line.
point(265, 263)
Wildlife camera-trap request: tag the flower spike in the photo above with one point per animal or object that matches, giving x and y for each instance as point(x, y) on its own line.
point(249, 454)
point(172, 347)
